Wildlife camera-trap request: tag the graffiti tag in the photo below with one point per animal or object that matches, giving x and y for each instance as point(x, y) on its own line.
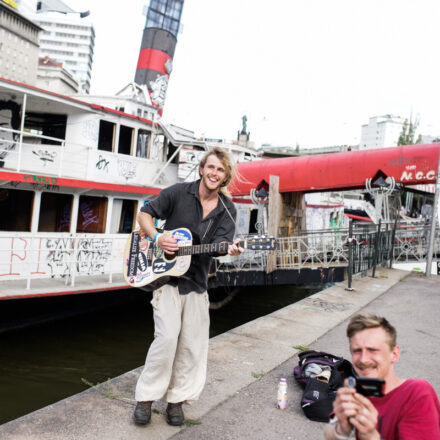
point(400, 161)
point(87, 213)
point(40, 179)
point(45, 156)
point(102, 164)
point(126, 169)
point(58, 257)
point(93, 254)
point(158, 90)
point(45, 187)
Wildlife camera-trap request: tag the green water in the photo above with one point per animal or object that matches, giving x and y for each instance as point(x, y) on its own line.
point(44, 363)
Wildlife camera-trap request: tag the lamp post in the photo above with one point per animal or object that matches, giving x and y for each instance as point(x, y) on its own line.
point(433, 220)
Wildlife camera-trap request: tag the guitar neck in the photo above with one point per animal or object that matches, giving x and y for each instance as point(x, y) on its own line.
point(205, 248)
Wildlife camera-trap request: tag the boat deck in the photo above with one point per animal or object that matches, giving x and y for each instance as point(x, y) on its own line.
point(16, 289)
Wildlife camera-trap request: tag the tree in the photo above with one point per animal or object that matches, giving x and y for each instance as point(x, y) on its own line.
point(408, 132)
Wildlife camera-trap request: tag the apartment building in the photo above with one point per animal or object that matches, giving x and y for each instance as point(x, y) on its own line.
point(18, 44)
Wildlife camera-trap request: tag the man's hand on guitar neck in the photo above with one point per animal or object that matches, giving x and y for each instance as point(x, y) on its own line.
point(234, 249)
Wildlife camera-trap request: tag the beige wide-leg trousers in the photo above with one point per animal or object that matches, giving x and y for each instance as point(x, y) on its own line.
point(175, 368)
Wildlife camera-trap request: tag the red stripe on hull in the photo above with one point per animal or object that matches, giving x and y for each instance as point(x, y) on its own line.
point(74, 183)
point(153, 59)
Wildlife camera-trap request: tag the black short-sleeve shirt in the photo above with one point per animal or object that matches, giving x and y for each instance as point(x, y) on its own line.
point(179, 205)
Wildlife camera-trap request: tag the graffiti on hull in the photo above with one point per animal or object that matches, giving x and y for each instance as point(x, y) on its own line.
point(59, 257)
point(93, 255)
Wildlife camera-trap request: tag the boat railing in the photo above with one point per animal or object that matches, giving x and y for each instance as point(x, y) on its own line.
point(41, 155)
point(37, 153)
point(31, 256)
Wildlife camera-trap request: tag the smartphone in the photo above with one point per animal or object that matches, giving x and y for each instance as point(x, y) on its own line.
point(367, 386)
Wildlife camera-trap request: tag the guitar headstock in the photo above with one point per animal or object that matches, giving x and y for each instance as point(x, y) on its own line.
point(261, 243)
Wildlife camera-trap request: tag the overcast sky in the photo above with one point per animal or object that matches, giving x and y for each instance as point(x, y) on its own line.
point(303, 71)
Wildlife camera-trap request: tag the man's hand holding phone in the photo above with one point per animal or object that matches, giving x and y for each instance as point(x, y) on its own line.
point(367, 386)
point(353, 410)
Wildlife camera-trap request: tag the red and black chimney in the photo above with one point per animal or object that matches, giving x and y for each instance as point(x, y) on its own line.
point(157, 49)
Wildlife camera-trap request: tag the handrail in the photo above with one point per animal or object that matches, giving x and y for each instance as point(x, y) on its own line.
point(30, 134)
point(332, 247)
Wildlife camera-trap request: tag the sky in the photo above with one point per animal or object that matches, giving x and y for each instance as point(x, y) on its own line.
point(306, 72)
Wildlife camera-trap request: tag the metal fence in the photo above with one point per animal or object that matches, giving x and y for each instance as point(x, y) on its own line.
point(365, 245)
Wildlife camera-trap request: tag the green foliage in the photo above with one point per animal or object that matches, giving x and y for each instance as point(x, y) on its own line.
point(104, 388)
point(408, 132)
point(257, 375)
point(301, 347)
point(192, 422)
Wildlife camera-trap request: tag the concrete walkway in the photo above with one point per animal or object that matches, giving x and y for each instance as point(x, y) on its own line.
point(245, 365)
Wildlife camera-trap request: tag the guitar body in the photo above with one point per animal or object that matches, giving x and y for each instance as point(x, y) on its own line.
point(147, 267)
point(146, 264)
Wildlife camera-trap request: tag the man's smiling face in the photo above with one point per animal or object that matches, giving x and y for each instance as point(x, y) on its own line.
point(371, 353)
point(213, 174)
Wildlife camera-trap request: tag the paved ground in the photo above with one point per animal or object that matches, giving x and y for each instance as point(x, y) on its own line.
point(411, 305)
point(239, 404)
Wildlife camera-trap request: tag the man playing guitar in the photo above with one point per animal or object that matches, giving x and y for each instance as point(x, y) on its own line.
point(175, 368)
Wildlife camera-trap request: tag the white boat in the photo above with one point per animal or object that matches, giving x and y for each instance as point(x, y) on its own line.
point(73, 175)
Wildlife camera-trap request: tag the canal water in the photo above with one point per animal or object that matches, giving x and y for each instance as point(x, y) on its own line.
point(108, 334)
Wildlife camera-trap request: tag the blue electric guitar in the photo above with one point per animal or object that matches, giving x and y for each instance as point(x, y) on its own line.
point(145, 262)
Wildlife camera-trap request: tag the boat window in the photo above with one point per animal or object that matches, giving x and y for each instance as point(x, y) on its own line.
point(142, 148)
point(125, 139)
point(91, 215)
point(55, 212)
point(170, 151)
point(106, 135)
point(123, 216)
point(18, 206)
point(253, 221)
point(46, 124)
point(157, 148)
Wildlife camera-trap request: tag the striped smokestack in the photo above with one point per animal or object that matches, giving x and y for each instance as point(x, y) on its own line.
point(157, 49)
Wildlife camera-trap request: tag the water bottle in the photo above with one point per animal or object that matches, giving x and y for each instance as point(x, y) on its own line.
point(282, 394)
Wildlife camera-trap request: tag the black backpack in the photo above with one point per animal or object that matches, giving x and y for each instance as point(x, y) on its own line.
point(318, 396)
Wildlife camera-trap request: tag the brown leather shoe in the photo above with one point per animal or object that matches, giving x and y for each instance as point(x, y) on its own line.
point(175, 415)
point(142, 413)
